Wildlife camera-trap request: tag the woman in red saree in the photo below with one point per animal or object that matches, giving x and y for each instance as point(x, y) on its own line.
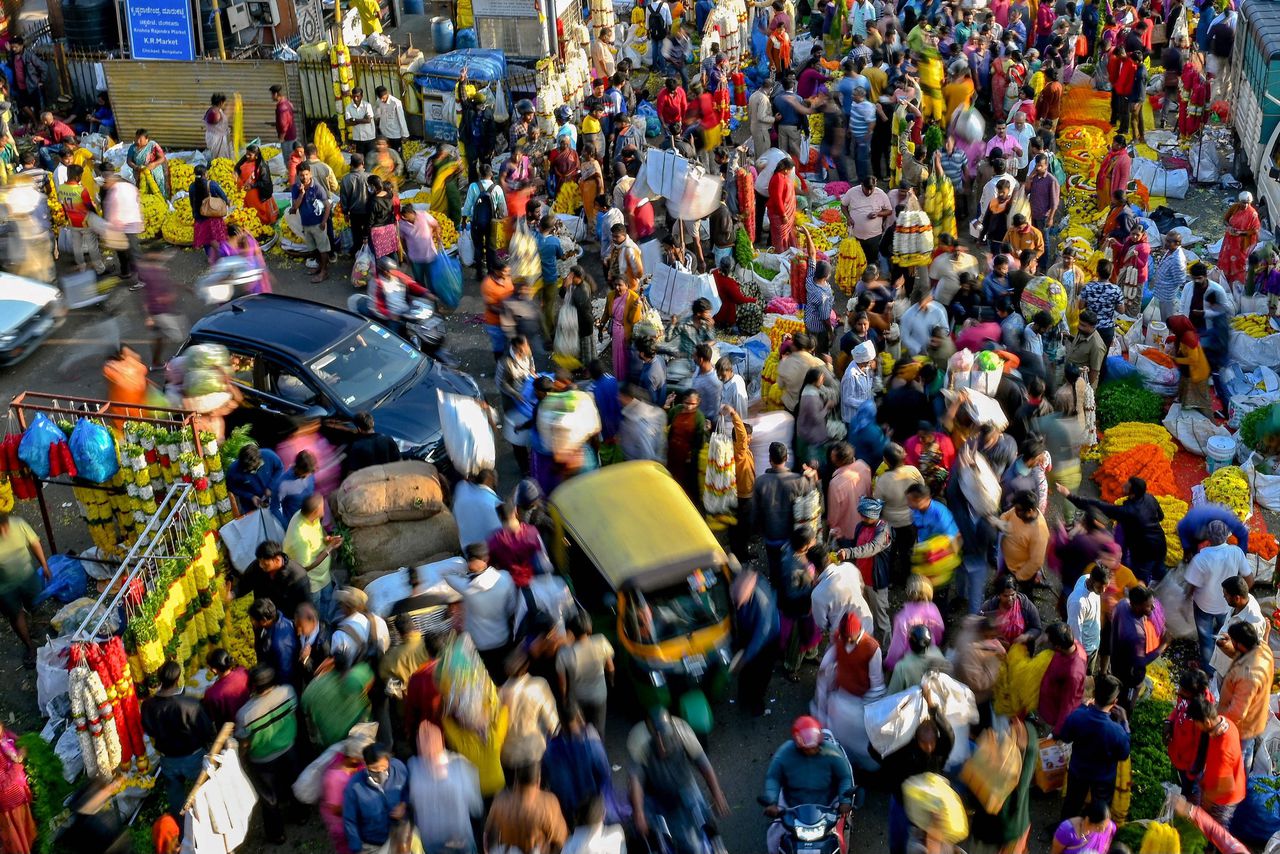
point(1243, 225)
point(1113, 172)
point(782, 206)
point(254, 177)
point(1193, 95)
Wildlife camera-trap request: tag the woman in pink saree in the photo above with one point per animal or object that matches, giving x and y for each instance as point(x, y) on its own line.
point(622, 313)
point(1241, 235)
point(917, 610)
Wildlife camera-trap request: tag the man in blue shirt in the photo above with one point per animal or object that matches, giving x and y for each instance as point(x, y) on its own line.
point(549, 252)
point(311, 204)
point(931, 518)
point(996, 283)
point(374, 799)
point(1099, 737)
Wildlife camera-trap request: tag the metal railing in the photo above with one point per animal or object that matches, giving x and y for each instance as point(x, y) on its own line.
point(169, 527)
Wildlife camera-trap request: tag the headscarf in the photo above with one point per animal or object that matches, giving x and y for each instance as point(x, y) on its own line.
point(869, 508)
point(1181, 326)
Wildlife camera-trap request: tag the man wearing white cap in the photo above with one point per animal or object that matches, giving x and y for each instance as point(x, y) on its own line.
point(858, 384)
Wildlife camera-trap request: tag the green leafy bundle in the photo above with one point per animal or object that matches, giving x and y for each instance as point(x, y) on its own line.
point(1128, 399)
point(1150, 758)
point(1252, 425)
point(233, 443)
point(49, 789)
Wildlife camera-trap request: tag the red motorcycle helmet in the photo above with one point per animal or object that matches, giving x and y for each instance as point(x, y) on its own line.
point(806, 732)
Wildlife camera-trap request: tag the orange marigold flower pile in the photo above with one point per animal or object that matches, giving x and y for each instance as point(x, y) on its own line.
point(1145, 461)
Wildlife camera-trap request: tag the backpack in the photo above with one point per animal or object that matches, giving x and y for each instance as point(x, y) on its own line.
point(657, 24)
point(482, 214)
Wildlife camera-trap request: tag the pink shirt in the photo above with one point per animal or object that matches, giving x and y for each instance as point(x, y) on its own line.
point(849, 485)
point(333, 787)
point(859, 206)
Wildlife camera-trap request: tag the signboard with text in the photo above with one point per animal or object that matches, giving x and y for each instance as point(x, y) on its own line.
point(161, 29)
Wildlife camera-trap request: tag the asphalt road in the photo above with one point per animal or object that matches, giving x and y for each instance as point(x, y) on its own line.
point(69, 363)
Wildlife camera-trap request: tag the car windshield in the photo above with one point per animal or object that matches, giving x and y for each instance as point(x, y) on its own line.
point(702, 600)
point(364, 367)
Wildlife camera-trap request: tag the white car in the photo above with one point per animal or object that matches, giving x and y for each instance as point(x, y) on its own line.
point(29, 311)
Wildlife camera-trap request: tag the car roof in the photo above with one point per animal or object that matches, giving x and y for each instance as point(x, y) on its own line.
point(649, 533)
point(295, 327)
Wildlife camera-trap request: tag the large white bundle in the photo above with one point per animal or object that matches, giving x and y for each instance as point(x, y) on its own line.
point(468, 437)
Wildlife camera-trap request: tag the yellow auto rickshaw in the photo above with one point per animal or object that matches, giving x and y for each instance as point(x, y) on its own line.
point(631, 543)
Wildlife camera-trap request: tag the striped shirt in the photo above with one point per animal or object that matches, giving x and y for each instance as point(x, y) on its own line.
point(818, 303)
point(953, 166)
point(862, 118)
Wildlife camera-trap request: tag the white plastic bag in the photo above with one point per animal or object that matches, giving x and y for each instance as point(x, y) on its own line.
point(242, 536)
point(1242, 404)
point(980, 485)
point(845, 715)
point(67, 749)
point(362, 267)
point(468, 436)
point(1192, 428)
point(565, 342)
point(52, 674)
point(466, 248)
point(310, 783)
point(1158, 378)
point(1265, 487)
point(892, 721)
point(985, 410)
point(1179, 618)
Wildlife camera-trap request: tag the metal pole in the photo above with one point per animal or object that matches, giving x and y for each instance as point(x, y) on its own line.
point(199, 28)
point(217, 28)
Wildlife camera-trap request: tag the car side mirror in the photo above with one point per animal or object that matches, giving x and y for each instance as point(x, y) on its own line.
point(611, 602)
point(315, 413)
point(1275, 173)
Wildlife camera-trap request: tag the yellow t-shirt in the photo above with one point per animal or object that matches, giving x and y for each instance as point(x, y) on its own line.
point(303, 542)
point(590, 124)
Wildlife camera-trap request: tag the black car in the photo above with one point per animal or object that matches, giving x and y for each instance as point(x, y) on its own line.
point(297, 359)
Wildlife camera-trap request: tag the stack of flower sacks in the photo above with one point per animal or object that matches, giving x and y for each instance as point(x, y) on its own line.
point(396, 516)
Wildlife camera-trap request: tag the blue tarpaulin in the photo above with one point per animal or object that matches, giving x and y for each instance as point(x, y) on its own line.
point(441, 73)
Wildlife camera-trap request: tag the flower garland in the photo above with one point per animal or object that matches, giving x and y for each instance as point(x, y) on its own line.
point(719, 489)
point(94, 718)
point(1129, 434)
point(128, 709)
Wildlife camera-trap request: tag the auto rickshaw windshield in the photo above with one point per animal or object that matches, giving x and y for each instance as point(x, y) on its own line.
point(699, 602)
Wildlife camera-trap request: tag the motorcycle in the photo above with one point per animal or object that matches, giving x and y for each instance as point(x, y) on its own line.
point(419, 325)
point(813, 829)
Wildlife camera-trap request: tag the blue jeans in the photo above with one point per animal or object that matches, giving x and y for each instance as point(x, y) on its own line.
point(323, 600)
point(659, 61)
point(973, 582)
point(178, 774)
point(1207, 628)
point(862, 158)
point(497, 338)
point(48, 156)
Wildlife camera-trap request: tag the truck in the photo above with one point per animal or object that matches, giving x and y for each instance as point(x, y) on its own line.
point(1255, 108)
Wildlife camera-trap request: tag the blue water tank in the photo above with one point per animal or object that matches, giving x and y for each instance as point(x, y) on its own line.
point(441, 34)
point(466, 39)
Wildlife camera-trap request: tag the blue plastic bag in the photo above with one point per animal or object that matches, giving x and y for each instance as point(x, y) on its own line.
point(444, 277)
point(34, 447)
point(1118, 367)
point(69, 580)
point(93, 449)
point(1257, 818)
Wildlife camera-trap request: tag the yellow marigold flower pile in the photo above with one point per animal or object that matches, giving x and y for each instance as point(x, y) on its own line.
point(448, 235)
point(154, 211)
point(181, 174)
point(1163, 687)
point(568, 200)
point(1130, 434)
point(248, 220)
point(850, 262)
point(179, 227)
point(1174, 509)
point(1229, 486)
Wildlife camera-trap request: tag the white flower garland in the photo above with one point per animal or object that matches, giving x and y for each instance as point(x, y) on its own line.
point(94, 717)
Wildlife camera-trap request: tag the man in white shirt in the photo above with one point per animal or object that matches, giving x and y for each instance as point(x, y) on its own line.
point(390, 114)
point(1206, 572)
point(838, 591)
point(1084, 612)
point(919, 320)
point(475, 508)
point(861, 15)
point(733, 390)
point(858, 385)
point(591, 835)
point(489, 608)
point(867, 207)
point(357, 629)
point(360, 116)
point(1023, 133)
point(761, 116)
point(643, 432)
point(947, 267)
point(1244, 609)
